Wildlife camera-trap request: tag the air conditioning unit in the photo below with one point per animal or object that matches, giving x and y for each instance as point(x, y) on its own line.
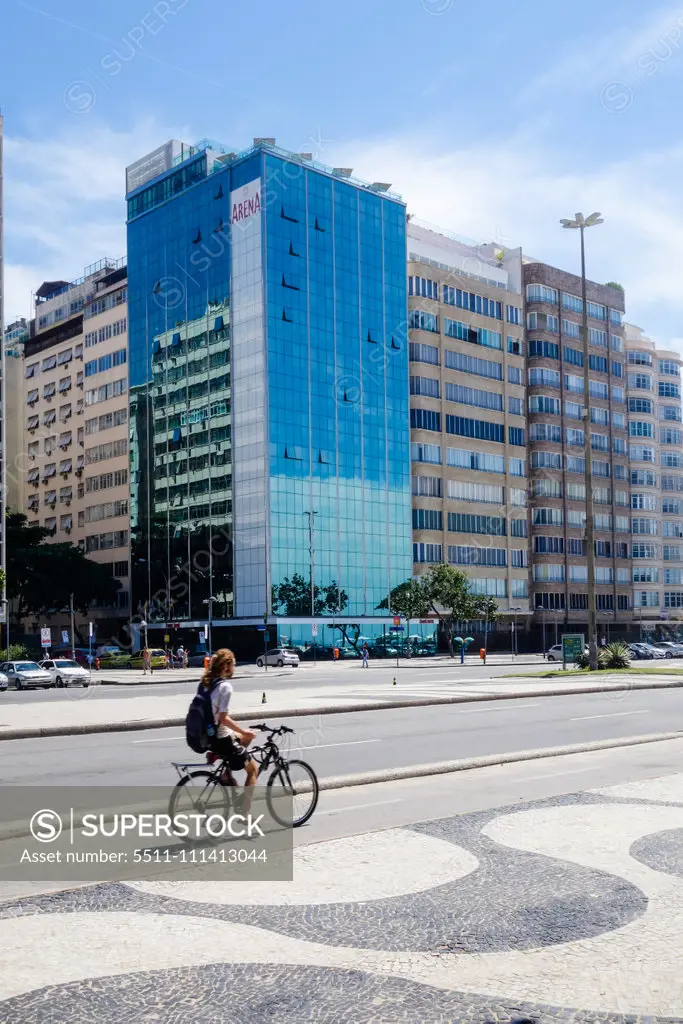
point(79, 472)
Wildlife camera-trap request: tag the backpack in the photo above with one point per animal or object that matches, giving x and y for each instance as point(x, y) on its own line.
point(199, 723)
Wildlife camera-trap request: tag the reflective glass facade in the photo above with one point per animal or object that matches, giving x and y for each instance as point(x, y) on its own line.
point(270, 468)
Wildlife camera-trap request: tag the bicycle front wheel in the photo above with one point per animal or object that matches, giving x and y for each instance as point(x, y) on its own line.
point(297, 781)
point(200, 793)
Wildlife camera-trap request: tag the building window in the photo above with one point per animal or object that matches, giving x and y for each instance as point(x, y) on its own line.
point(543, 349)
point(544, 404)
point(514, 375)
point(427, 386)
point(426, 453)
point(640, 381)
point(473, 396)
point(482, 430)
point(473, 302)
point(462, 555)
point(463, 490)
point(471, 364)
point(597, 363)
point(549, 602)
point(466, 522)
point(667, 389)
point(425, 419)
point(463, 458)
point(420, 319)
point(427, 486)
point(427, 553)
point(420, 353)
point(427, 519)
point(670, 367)
point(515, 407)
point(541, 293)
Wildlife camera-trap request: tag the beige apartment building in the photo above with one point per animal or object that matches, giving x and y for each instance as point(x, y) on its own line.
point(653, 395)
point(70, 472)
point(468, 416)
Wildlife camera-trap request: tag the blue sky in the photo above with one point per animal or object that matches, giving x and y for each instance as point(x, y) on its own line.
point(493, 120)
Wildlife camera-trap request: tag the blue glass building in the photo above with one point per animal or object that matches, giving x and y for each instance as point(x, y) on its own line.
point(270, 468)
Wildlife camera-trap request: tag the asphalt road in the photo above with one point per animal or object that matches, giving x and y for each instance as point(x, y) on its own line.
point(304, 676)
point(338, 744)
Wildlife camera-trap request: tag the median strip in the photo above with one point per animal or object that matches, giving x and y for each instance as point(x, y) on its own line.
point(142, 725)
point(418, 771)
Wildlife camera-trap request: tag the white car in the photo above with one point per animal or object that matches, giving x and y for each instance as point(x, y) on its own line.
point(64, 672)
point(24, 674)
point(555, 652)
point(4, 681)
point(279, 656)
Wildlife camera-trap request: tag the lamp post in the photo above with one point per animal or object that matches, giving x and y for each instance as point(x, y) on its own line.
point(580, 223)
point(514, 630)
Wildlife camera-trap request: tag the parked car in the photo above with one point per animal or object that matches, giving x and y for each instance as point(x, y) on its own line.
point(656, 651)
point(671, 650)
point(158, 659)
point(65, 672)
point(279, 656)
point(24, 674)
point(555, 652)
point(4, 681)
point(196, 659)
point(642, 651)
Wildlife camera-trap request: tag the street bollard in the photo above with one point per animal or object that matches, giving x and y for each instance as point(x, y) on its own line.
point(394, 683)
point(263, 698)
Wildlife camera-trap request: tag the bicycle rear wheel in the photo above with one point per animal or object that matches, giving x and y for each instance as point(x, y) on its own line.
point(200, 793)
point(298, 781)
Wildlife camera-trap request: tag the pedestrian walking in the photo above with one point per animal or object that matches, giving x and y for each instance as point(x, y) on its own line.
point(186, 657)
point(366, 655)
point(146, 661)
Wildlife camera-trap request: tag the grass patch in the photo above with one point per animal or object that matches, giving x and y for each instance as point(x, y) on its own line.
point(644, 670)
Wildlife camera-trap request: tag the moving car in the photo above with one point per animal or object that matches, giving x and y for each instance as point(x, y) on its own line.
point(671, 650)
point(24, 674)
point(158, 659)
point(4, 681)
point(279, 656)
point(114, 657)
point(64, 672)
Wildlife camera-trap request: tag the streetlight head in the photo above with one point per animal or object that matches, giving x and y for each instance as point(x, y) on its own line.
point(595, 218)
point(568, 223)
point(579, 218)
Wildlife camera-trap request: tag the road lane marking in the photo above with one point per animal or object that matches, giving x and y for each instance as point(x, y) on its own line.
point(160, 739)
point(361, 807)
point(342, 743)
point(616, 714)
point(560, 775)
point(505, 707)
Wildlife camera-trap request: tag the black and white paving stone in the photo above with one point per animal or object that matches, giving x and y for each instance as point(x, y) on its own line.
point(569, 909)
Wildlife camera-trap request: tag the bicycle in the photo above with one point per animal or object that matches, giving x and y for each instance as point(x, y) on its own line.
point(208, 795)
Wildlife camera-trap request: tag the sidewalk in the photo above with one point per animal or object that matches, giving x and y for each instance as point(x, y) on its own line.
point(90, 710)
point(560, 909)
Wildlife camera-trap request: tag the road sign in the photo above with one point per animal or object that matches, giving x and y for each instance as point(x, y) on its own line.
point(314, 629)
point(46, 637)
point(166, 638)
point(261, 629)
point(397, 620)
point(427, 622)
point(202, 636)
point(396, 629)
point(572, 646)
point(65, 636)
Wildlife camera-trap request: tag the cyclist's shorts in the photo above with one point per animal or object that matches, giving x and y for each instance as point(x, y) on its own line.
point(235, 754)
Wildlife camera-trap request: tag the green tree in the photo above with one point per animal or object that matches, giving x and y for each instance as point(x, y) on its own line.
point(448, 593)
point(293, 597)
point(410, 600)
point(42, 577)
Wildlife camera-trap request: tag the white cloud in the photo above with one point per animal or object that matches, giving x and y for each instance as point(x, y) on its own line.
point(505, 192)
point(619, 53)
point(64, 206)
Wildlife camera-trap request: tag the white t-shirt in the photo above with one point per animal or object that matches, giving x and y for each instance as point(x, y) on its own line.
point(220, 702)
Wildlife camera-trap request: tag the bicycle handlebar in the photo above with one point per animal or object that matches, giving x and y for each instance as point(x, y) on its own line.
point(263, 727)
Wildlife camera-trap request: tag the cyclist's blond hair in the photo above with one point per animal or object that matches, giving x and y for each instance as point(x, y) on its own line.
point(221, 666)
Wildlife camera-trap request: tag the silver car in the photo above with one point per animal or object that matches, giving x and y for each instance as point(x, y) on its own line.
point(25, 674)
point(279, 656)
point(4, 681)
point(64, 672)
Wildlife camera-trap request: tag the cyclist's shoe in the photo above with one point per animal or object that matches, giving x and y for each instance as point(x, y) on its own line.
point(211, 758)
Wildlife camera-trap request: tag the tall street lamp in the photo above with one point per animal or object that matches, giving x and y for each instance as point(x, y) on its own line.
point(581, 223)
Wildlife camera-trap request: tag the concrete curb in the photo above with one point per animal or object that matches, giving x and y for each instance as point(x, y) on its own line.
point(141, 725)
point(469, 763)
